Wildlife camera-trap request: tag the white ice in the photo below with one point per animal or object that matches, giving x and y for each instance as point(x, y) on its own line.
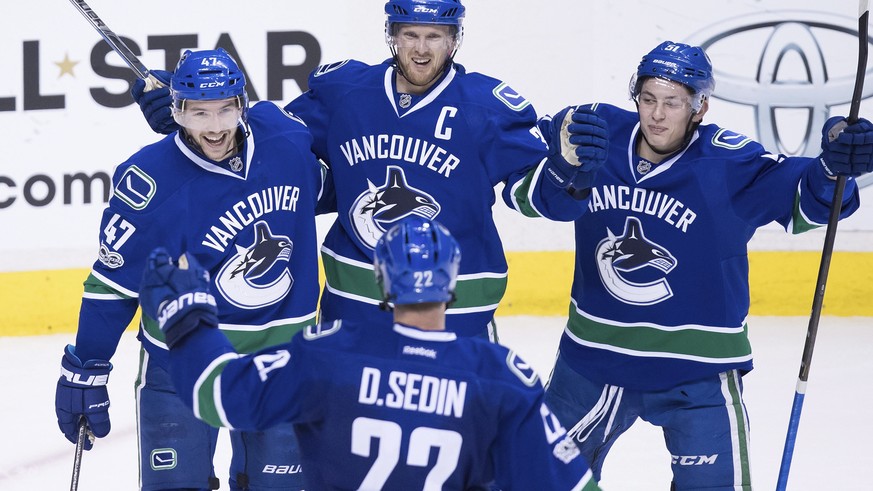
point(831, 451)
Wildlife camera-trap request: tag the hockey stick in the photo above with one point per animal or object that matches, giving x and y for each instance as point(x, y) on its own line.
point(827, 252)
point(117, 45)
point(77, 460)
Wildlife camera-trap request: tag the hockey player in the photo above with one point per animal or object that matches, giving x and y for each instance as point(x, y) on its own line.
point(657, 325)
point(235, 187)
point(419, 135)
point(396, 407)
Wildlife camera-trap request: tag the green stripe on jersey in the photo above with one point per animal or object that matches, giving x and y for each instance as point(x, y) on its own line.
point(245, 339)
point(733, 398)
point(697, 343)
point(94, 286)
point(521, 194)
point(354, 280)
point(798, 223)
point(205, 395)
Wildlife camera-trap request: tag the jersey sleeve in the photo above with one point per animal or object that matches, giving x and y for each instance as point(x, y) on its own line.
point(533, 448)
point(793, 191)
point(110, 298)
point(255, 391)
point(515, 153)
point(325, 83)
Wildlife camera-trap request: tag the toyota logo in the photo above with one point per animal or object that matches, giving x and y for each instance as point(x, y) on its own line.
point(798, 62)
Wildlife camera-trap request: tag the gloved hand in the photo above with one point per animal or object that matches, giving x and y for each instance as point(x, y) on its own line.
point(847, 149)
point(177, 297)
point(155, 103)
point(578, 147)
point(81, 392)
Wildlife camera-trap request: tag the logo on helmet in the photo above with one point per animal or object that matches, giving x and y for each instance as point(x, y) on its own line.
point(421, 9)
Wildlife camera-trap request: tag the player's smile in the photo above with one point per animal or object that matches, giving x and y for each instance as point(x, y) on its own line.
point(422, 51)
point(215, 146)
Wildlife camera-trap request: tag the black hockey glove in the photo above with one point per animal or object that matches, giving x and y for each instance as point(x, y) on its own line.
point(847, 149)
point(155, 104)
point(177, 298)
point(578, 146)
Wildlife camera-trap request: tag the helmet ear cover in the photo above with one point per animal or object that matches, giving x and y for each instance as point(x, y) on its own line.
point(417, 261)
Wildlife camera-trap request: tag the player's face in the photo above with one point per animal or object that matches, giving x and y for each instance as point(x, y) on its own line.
point(212, 125)
point(422, 51)
point(665, 113)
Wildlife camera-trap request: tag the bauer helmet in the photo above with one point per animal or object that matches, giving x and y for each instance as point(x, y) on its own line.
point(680, 63)
point(417, 261)
point(206, 76)
point(440, 12)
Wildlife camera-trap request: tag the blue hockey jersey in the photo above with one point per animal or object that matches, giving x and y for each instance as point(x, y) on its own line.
point(382, 407)
point(440, 156)
point(660, 292)
point(249, 220)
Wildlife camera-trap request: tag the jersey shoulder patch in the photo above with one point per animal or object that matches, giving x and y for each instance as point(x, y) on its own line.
point(328, 67)
point(522, 369)
point(730, 140)
point(508, 96)
point(135, 187)
point(320, 330)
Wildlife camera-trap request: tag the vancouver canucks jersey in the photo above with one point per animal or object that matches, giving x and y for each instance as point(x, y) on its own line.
point(382, 407)
point(440, 156)
point(249, 220)
point(660, 291)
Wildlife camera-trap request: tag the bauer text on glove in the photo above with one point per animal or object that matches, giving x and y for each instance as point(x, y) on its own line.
point(81, 393)
point(847, 149)
point(177, 296)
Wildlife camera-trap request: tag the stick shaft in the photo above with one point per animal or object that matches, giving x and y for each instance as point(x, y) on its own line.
point(112, 39)
point(77, 460)
point(824, 266)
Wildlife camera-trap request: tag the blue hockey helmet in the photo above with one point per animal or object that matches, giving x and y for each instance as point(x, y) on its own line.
point(207, 75)
point(417, 261)
point(680, 63)
point(438, 12)
point(445, 12)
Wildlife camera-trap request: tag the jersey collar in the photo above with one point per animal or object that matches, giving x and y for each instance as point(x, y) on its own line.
point(435, 91)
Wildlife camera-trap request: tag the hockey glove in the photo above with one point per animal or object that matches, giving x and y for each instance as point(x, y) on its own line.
point(155, 104)
point(81, 393)
point(578, 146)
point(847, 149)
point(177, 297)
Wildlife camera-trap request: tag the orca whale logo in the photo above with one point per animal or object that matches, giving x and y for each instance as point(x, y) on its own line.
point(618, 256)
point(376, 209)
point(266, 261)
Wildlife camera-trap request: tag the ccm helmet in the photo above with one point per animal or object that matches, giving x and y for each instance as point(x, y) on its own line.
point(207, 75)
point(441, 12)
point(417, 261)
point(680, 63)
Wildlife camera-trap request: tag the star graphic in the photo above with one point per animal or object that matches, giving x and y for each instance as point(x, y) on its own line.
point(66, 66)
